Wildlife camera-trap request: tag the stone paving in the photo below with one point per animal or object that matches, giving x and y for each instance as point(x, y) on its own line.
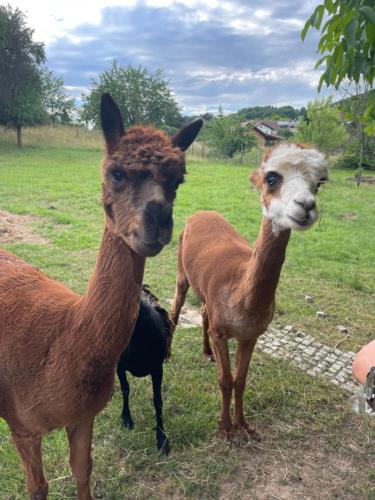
point(309, 355)
point(302, 350)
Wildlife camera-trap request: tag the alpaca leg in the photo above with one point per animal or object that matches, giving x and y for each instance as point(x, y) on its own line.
point(182, 287)
point(161, 438)
point(80, 437)
point(29, 448)
point(181, 291)
point(126, 415)
point(226, 384)
point(207, 351)
point(243, 356)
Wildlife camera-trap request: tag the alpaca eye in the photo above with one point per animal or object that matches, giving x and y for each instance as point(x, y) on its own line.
point(144, 175)
point(118, 175)
point(272, 180)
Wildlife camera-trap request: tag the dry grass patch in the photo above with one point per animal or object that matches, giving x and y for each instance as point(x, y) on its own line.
point(312, 469)
point(16, 229)
point(60, 135)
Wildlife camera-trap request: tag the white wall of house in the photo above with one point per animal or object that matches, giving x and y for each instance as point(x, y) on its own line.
point(265, 129)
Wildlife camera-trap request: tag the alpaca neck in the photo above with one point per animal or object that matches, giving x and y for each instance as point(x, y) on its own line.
point(265, 265)
point(110, 305)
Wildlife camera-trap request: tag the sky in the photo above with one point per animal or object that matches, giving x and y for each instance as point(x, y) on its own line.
point(233, 54)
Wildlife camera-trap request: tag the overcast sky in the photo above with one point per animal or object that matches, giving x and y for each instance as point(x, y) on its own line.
point(235, 53)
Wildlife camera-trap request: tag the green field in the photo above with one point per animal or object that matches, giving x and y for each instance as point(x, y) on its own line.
point(312, 446)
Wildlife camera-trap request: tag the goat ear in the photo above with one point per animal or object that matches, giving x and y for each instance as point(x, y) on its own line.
point(256, 179)
point(185, 137)
point(111, 121)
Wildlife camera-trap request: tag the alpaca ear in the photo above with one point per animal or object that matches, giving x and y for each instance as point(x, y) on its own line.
point(256, 179)
point(185, 137)
point(111, 121)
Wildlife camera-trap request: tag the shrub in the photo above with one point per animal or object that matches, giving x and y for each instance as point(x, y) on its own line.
point(350, 161)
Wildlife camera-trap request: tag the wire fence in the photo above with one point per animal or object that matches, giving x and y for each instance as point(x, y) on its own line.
point(200, 151)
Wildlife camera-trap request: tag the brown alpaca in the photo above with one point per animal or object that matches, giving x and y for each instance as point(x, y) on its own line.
point(237, 283)
point(58, 350)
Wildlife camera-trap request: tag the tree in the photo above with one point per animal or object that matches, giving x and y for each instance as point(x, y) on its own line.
point(322, 126)
point(347, 44)
point(361, 149)
point(20, 78)
point(262, 112)
point(226, 136)
point(57, 105)
point(141, 96)
point(285, 132)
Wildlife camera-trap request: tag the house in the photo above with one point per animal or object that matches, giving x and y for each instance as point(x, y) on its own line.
point(268, 127)
point(266, 133)
point(288, 124)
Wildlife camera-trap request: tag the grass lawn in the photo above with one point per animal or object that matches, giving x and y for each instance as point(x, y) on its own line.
point(312, 446)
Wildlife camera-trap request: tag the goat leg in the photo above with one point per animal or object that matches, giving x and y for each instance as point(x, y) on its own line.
point(125, 389)
point(161, 438)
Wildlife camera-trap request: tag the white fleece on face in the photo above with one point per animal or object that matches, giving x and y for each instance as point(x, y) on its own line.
point(292, 207)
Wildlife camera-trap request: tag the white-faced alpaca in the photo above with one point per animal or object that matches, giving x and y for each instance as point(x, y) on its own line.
point(237, 283)
point(58, 350)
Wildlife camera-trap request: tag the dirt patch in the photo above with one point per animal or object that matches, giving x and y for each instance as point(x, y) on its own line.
point(189, 316)
point(349, 216)
point(16, 229)
point(367, 179)
point(311, 472)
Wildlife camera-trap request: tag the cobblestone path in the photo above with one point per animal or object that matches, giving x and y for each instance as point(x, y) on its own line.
point(302, 350)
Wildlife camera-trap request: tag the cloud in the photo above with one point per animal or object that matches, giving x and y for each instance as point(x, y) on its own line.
point(231, 53)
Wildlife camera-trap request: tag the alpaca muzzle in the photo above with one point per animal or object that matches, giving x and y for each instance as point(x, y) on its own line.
point(157, 223)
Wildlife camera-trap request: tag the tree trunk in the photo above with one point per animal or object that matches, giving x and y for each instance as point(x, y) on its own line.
point(19, 136)
point(360, 166)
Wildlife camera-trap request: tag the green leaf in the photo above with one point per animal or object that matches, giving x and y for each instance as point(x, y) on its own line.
point(368, 12)
point(338, 55)
point(320, 62)
point(322, 46)
point(370, 33)
point(319, 11)
point(350, 31)
point(305, 29)
point(321, 81)
point(329, 5)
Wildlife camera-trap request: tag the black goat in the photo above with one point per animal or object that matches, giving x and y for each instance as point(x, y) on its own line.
point(144, 356)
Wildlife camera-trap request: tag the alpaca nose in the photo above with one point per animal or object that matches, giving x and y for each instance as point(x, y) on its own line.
point(159, 213)
point(307, 203)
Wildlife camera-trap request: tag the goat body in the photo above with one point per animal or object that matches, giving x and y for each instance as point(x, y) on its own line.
point(145, 355)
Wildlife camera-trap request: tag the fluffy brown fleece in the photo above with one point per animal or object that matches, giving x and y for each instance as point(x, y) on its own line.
point(58, 350)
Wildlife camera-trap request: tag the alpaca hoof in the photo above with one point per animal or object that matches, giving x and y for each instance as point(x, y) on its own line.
point(247, 431)
point(226, 431)
point(227, 435)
